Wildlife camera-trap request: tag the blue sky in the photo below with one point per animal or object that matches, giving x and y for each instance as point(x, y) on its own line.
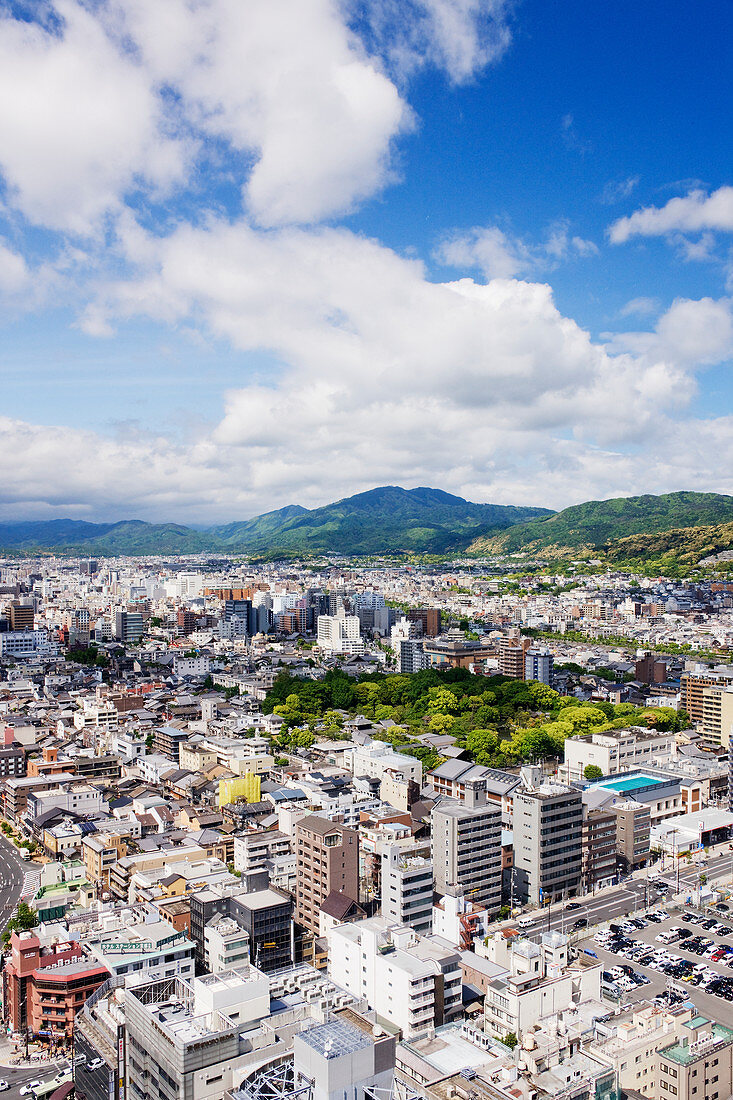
point(474, 244)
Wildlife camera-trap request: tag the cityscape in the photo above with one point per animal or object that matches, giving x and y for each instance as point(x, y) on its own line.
point(366, 550)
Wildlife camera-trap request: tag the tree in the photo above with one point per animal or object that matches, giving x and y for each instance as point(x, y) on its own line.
point(24, 919)
point(592, 771)
point(510, 1040)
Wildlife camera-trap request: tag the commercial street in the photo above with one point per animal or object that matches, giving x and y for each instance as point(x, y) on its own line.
point(12, 874)
point(17, 1077)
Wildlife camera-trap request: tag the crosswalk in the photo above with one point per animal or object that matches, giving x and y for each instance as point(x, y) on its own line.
point(31, 882)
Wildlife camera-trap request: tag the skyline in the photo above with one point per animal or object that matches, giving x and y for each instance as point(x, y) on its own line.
point(282, 256)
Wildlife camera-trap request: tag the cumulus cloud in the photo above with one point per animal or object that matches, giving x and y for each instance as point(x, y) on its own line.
point(388, 376)
point(690, 333)
point(691, 213)
point(126, 97)
point(498, 255)
point(459, 36)
point(79, 122)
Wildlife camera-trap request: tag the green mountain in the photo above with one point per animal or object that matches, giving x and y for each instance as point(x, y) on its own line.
point(381, 520)
point(386, 519)
point(598, 524)
point(673, 552)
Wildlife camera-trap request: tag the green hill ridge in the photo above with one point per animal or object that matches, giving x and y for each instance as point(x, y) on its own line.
point(596, 525)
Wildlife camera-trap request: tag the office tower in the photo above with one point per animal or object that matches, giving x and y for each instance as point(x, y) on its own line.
point(129, 626)
point(22, 615)
point(412, 656)
point(328, 862)
point(538, 665)
point(428, 617)
point(466, 845)
point(548, 822)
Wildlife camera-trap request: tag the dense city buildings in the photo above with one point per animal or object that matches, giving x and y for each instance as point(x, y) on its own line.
point(253, 802)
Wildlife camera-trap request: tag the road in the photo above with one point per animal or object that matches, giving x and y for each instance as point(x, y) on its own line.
point(624, 899)
point(16, 1078)
point(12, 874)
point(630, 895)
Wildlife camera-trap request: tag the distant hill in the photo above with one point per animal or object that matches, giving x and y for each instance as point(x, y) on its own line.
point(597, 525)
point(673, 552)
point(380, 520)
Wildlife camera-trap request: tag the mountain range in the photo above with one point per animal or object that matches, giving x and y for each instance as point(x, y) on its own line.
point(387, 519)
point(675, 529)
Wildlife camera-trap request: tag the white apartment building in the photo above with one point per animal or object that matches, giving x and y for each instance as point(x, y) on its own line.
point(457, 919)
point(616, 751)
point(407, 889)
point(377, 758)
point(191, 666)
point(25, 644)
point(253, 850)
point(226, 945)
point(540, 982)
point(340, 634)
point(99, 713)
point(411, 981)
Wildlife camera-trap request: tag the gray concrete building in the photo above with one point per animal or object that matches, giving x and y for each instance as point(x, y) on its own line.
point(466, 845)
point(548, 821)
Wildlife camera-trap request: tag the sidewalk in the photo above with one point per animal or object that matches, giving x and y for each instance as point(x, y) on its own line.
point(39, 1059)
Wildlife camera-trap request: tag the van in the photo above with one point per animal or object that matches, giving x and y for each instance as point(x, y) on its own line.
point(524, 922)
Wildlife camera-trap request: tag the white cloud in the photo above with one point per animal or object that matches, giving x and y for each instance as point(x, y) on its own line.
point(79, 122)
point(14, 274)
point(692, 213)
point(459, 36)
point(642, 307)
point(285, 85)
point(279, 97)
point(691, 333)
point(497, 255)
point(481, 389)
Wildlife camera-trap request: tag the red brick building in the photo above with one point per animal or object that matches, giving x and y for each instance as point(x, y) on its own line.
point(44, 987)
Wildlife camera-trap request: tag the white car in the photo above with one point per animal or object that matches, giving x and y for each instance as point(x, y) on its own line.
point(95, 1063)
point(4, 1086)
point(29, 1088)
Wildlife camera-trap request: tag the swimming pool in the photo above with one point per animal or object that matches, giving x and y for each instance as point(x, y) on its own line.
point(632, 783)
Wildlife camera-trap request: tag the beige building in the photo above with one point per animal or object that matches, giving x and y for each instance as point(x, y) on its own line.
point(699, 1065)
point(328, 862)
point(633, 825)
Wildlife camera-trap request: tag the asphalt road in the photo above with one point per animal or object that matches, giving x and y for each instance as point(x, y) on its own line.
point(630, 895)
point(16, 1078)
point(12, 873)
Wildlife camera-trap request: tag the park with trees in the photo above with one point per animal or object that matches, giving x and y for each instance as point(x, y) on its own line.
point(499, 721)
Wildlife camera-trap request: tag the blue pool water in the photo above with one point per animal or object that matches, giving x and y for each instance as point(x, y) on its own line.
point(632, 783)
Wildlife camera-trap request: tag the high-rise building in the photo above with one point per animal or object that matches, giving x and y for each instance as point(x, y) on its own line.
point(599, 848)
point(539, 665)
point(129, 626)
point(548, 824)
point(327, 857)
point(339, 634)
point(430, 619)
point(412, 656)
point(466, 845)
point(692, 689)
point(512, 654)
point(21, 615)
point(407, 888)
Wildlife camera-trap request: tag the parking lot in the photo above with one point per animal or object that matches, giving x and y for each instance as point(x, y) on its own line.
point(639, 950)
